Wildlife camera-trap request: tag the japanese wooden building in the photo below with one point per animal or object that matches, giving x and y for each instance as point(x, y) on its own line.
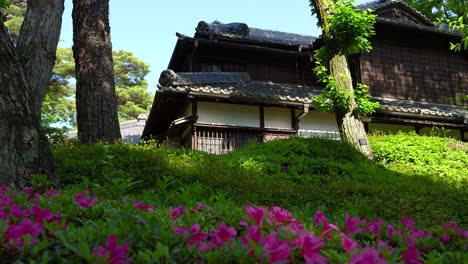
point(231, 83)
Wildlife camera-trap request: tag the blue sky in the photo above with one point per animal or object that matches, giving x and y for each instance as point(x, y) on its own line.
point(147, 27)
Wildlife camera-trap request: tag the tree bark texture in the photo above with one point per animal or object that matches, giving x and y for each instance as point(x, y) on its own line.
point(96, 101)
point(37, 45)
point(24, 148)
point(350, 125)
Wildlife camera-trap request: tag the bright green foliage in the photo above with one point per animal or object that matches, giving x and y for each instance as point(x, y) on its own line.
point(13, 15)
point(440, 10)
point(133, 97)
point(59, 101)
point(130, 84)
point(350, 31)
point(334, 99)
point(131, 87)
point(445, 159)
point(350, 28)
point(451, 12)
point(299, 174)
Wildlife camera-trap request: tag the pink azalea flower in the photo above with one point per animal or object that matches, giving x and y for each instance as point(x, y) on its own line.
point(243, 223)
point(84, 202)
point(223, 234)
point(43, 214)
point(3, 214)
point(320, 218)
point(352, 225)
point(138, 205)
point(52, 193)
point(348, 244)
point(256, 213)
point(253, 235)
point(408, 223)
point(328, 229)
point(390, 230)
point(278, 249)
point(375, 226)
point(278, 215)
point(445, 239)
point(16, 211)
point(368, 256)
point(411, 256)
point(29, 191)
point(383, 244)
point(176, 212)
point(16, 232)
point(180, 230)
point(196, 238)
point(199, 207)
point(310, 246)
point(116, 254)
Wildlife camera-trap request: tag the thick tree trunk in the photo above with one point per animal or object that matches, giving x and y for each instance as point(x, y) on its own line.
point(96, 101)
point(351, 127)
point(24, 148)
point(37, 45)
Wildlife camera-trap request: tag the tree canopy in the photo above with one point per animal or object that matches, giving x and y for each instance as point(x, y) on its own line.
point(453, 13)
point(133, 97)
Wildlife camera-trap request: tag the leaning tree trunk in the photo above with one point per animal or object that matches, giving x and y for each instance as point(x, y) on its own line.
point(24, 148)
point(350, 125)
point(37, 45)
point(96, 101)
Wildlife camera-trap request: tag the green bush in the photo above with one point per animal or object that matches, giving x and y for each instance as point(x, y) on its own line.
point(299, 174)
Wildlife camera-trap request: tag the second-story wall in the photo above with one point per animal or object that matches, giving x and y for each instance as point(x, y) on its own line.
point(418, 67)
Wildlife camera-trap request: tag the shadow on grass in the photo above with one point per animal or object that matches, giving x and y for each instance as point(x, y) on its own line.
point(300, 174)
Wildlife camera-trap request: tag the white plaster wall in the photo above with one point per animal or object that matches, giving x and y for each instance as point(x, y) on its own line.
point(228, 114)
point(318, 124)
point(276, 117)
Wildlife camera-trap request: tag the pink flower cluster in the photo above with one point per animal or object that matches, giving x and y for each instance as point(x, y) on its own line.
point(283, 239)
point(112, 252)
point(23, 218)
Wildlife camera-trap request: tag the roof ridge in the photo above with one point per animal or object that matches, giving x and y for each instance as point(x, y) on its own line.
point(170, 78)
point(383, 3)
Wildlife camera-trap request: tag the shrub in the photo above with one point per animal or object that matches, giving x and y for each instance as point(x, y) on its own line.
point(80, 227)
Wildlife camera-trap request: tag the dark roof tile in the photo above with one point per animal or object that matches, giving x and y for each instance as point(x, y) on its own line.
point(421, 108)
point(237, 84)
point(242, 31)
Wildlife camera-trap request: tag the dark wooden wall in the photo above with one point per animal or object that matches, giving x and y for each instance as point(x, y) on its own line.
point(419, 67)
point(261, 66)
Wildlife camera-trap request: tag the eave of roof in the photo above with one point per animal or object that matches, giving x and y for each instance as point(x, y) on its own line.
point(234, 85)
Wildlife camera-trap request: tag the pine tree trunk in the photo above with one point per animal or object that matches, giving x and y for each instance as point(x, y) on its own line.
point(37, 45)
point(96, 101)
point(350, 126)
point(24, 148)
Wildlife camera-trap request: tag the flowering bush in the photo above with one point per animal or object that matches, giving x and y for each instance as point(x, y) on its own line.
point(48, 226)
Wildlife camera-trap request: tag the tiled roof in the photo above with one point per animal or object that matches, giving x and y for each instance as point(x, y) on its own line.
point(242, 31)
point(233, 84)
point(422, 108)
point(378, 4)
point(214, 85)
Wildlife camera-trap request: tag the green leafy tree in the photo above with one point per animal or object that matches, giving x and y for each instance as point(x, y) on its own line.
point(58, 106)
point(133, 97)
point(13, 16)
point(345, 30)
point(449, 12)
